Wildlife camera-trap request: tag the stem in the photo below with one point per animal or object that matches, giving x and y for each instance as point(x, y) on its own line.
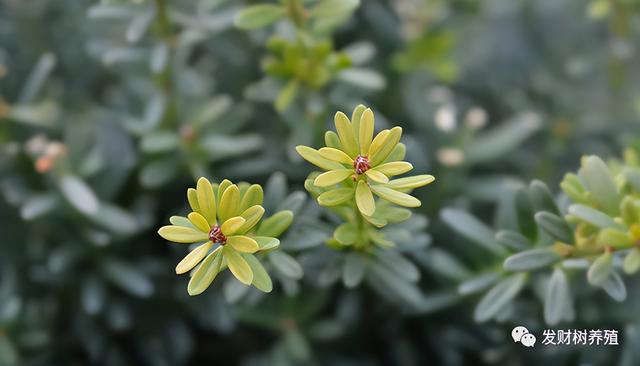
point(164, 77)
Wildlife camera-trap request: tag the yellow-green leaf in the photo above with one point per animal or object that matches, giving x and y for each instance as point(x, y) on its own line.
point(387, 146)
point(398, 153)
point(365, 133)
point(261, 279)
point(205, 273)
point(243, 244)
point(335, 155)
point(376, 176)
point(364, 199)
point(276, 224)
point(252, 215)
point(335, 197)
point(229, 203)
point(355, 118)
point(253, 196)
point(396, 197)
point(394, 168)
point(377, 142)
point(222, 188)
point(180, 221)
point(266, 242)
point(199, 222)
point(411, 182)
point(206, 200)
point(332, 177)
point(192, 197)
point(193, 258)
point(331, 139)
point(237, 265)
point(232, 225)
point(182, 234)
point(314, 157)
point(258, 16)
point(346, 134)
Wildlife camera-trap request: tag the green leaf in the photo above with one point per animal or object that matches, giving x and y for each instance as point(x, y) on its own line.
point(79, 194)
point(615, 238)
point(193, 258)
point(600, 270)
point(38, 205)
point(557, 298)
point(205, 273)
point(555, 226)
point(499, 296)
point(353, 270)
point(531, 259)
point(261, 279)
point(399, 264)
point(393, 196)
point(335, 197)
point(614, 287)
point(287, 95)
point(599, 181)
point(631, 262)
point(593, 216)
point(266, 243)
point(478, 283)
point(259, 16)
point(513, 240)
point(502, 139)
point(346, 233)
point(472, 229)
point(129, 278)
point(286, 264)
point(276, 224)
point(542, 198)
point(161, 141)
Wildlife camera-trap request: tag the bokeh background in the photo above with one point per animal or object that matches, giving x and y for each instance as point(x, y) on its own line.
point(110, 110)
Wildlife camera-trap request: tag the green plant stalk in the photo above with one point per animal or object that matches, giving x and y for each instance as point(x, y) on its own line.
point(164, 78)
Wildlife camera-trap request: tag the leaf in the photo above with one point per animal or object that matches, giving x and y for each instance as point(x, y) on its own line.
point(557, 298)
point(472, 229)
point(207, 201)
point(160, 141)
point(555, 226)
point(252, 216)
point(346, 233)
point(232, 225)
point(335, 155)
point(158, 172)
point(598, 179)
point(393, 196)
point(259, 16)
point(399, 264)
point(193, 258)
point(199, 221)
point(513, 240)
point(541, 197)
point(129, 278)
point(286, 264)
point(229, 203)
point(502, 139)
point(631, 262)
point(276, 224)
point(593, 216)
point(181, 221)
point(287, 95)
point(252, 197)
point(266, 243)
point(205, 273)
point(478, 283)
point(364, 199)
point(600, 270)
point(346, 134)
point(614, 287)
point(353, 270)
point(376, 176)
point(261, 279)
point(314, 157)
point(182, 234)
point(499, 296)
point(411, 182)
point(332, 177)
point(335, 197)
point(38, 205)
point(531, 259)
point(614, 238)
point(394, 168)
point(378, 156)
point(365, 130)
point(79, 194)
point(243, 244)
point(238, 265)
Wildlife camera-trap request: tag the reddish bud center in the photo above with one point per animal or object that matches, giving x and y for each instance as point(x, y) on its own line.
point(216, 235)
point(361, 164)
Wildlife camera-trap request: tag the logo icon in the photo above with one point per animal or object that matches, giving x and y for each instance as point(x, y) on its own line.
point(521, 334)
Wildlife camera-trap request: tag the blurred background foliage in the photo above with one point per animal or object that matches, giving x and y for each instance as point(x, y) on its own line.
point(110, 110)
